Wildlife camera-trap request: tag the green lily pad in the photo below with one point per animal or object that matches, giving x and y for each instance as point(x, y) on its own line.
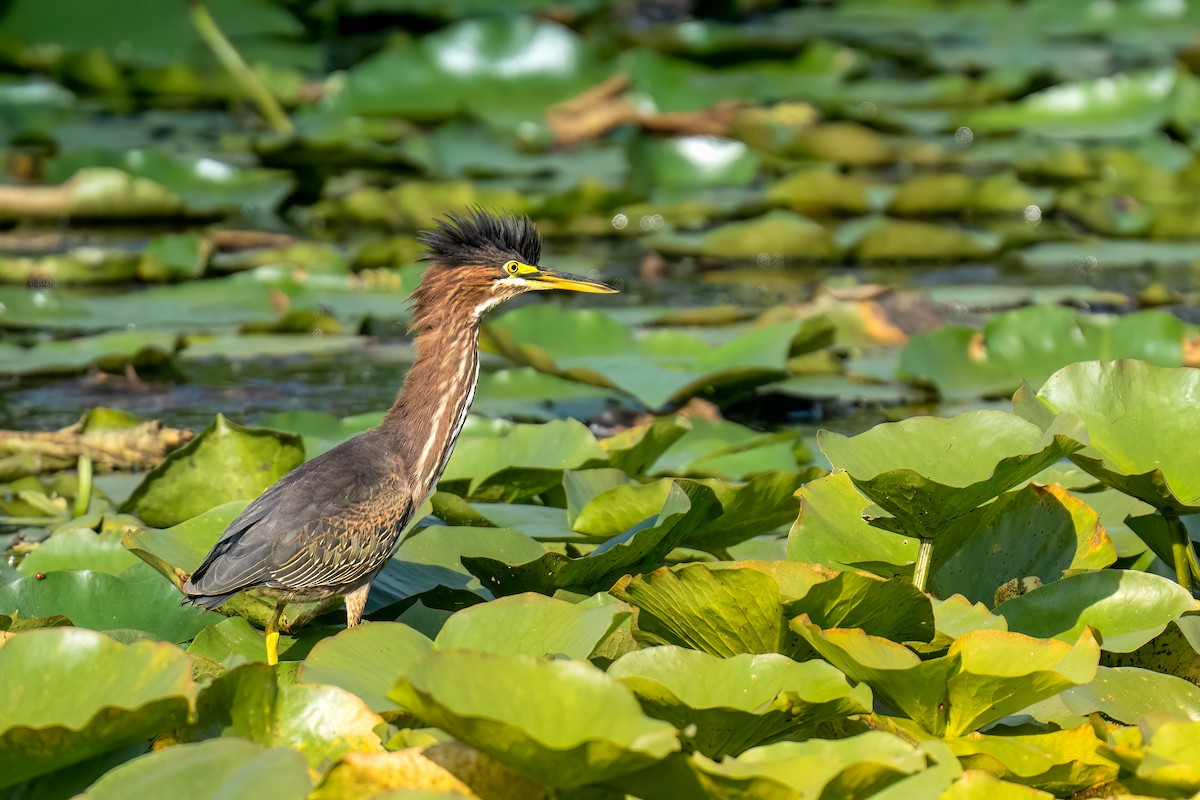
point(322, 722)
point(732, 452)
point(723, 612)
point(1030, 344)
point(163, 185)
point(929, 471)
point(634, 450)
point(883, 239)
point(509, 462)
point(80, 548)
point(532, 624)
point(1140, 441)
point(1031, 532)
point(225, 462)
point(234, 641)
point(1062, 762)
point(687, 507)
point(893, 609)
point(564, 723)
point(773, 235)
point(985, 675)
point(472, 65)
point(1124, 106)
point(979, 785)
point(692, 162)
point(1129, 694)
point(660, 368)
point(219, 769)
point(366, 661)
point(430, 563)
point(137, 599)
point(84, 694)
point(856, 767)
point(1126, 608)
point(110, 352)
point(830, 529)
point(761, 505)
point(526, 394)
point(739, 702)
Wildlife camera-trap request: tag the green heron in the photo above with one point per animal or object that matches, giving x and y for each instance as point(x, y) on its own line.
point(329, 526)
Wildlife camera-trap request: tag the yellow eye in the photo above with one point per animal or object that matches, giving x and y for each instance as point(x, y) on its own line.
point(511, 268)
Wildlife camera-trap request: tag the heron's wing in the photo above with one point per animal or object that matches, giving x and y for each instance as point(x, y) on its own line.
point(320, 523)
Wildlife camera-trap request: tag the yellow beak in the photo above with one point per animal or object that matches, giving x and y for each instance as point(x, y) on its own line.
point(553, 279)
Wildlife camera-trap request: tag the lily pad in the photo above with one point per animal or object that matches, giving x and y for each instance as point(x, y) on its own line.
point(110, 352)
point(929, 471)
point(322, 722)
point(366, 661)
point(1140, 441)
point(80, 548)
point(472, 65)
point(137, 599)
point(508, 462)
point(723, 612)
point(84, 694)
point(225, 462)
point(856, 767)
point(1129, 694)
point(1124, 106)
point(1032, 532)
point(1063, 762)
point(830, 529)
point(532, 624)
point(686, 508)
point(736, 703)
point(219, 769)
point(564, 723)
point(1125, 608)
point(1030, 344)
point(663, 367)
point(985, 675)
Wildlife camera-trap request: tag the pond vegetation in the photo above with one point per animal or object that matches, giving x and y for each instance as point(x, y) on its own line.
point(958, 239)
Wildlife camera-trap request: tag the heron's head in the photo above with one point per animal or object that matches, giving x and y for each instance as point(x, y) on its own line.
point(480, 259)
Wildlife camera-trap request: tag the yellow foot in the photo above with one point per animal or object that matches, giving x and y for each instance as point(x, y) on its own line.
point(273, 647)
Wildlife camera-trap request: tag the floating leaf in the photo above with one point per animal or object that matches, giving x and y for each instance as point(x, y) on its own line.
point(856, 767)
point(507, 462)
point(225, 462)
point(84, 694)
point(739, 702)
point(1140, 441)
point(929, 471)
point(532, 624)
point(1032, 532)
point(366, 661)
point(723, 612)
point(984, 676)
point(1030, 344)
point(1126, 608)
point(830, 529)
point(687, 507)
point(565, 723)
point(1063, 762)
point(109, 351)
point(322, 722)
point(219, 769)
point(137, 599)
point(1129, 694)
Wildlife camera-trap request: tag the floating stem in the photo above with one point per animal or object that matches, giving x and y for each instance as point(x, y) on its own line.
point(1186, 569)
point(83, 496)
point(233, 62)
point(924, 559)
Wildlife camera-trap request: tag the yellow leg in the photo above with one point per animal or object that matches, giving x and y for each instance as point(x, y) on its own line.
point(273, 634)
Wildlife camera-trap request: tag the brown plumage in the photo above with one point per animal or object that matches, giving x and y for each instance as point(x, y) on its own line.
point(328, 527)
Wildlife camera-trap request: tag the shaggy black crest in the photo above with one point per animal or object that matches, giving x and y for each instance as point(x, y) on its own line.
point(481, 238)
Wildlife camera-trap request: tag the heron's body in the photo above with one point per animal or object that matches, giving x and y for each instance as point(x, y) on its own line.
point(328, 527)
